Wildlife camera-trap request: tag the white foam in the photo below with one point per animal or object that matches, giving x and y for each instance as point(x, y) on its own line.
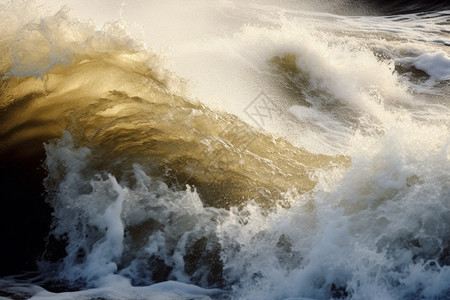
point(437, 65)
point(120, 288)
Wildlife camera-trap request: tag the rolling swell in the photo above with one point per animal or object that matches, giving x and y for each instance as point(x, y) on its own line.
point(376, 7)
point(405, 7)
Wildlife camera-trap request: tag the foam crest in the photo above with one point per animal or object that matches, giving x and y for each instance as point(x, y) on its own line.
point(436, 65)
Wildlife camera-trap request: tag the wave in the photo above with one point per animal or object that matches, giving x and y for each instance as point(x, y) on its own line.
point(117, 101)
point(118, 108)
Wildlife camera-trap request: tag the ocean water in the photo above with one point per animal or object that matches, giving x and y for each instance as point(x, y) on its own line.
point(225, 150)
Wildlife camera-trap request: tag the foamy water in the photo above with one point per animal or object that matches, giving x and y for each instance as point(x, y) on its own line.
point(228, 150)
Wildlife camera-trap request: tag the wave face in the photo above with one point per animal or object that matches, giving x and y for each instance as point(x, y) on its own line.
point(224, 151)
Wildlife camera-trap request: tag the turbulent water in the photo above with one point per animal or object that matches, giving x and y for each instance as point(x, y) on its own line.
point(225, 150)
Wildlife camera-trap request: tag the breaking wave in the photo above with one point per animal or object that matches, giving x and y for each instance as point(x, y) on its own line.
point(286, 154)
